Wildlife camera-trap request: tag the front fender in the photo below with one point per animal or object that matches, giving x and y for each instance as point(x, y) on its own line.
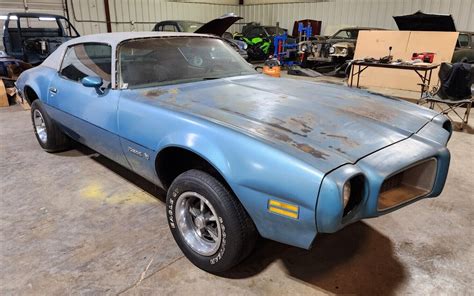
point(257, 171)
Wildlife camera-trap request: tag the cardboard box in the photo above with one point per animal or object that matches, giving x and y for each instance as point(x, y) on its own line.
point(3, 95)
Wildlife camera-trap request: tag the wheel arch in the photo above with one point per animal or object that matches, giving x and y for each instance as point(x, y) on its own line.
point(30, 94)
point(173, 160)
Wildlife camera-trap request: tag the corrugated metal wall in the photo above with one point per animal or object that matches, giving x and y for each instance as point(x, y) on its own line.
point(374, 13)
point(140, 15)
point(88, 16)
point(159, 11)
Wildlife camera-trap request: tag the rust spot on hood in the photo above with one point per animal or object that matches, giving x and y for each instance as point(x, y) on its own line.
point(305, 128)
point(158, 92)
point(154, 93)
point(272, 124)
point(308, 149)
point(273, 134)
point(345, 139)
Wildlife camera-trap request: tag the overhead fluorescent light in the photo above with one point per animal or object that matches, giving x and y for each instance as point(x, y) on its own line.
point(12, 17)
point(41, 18)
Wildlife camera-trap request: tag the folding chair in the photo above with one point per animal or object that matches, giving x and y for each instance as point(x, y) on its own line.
point(451, 105)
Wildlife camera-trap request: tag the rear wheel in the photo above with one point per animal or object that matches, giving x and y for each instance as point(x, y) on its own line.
point(48, 134)
point(208, 223)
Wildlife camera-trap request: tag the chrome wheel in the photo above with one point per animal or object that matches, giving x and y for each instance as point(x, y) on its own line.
point(198, 223)
point(40, 126)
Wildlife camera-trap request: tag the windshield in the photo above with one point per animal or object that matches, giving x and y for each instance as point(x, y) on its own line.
point(346, 34)
point(274, 31)
point(163, 61)
point(190, 27)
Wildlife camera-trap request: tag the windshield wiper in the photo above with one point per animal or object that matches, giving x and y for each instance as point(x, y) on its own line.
point(210, 78)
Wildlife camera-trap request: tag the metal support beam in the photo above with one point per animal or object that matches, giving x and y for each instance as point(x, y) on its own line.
point(107, 16)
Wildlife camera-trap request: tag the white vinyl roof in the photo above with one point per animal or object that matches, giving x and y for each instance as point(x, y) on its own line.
point(113, 39)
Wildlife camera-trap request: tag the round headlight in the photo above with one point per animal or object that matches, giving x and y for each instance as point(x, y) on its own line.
point(344, 51)
point(332, 50)
point(304, 47)
point(346, 193)
point(245, 46)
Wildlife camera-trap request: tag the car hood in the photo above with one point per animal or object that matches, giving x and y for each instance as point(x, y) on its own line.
point(420, 21)
point(219, 25)
point(324, 124)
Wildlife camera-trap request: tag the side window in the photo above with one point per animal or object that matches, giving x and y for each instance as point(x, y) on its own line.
point(343, 34)
point(169, 28)
point(88, 59)
point(256, 32)
point(463, 40)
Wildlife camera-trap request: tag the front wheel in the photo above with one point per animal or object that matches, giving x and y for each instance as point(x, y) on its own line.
point(208, 223)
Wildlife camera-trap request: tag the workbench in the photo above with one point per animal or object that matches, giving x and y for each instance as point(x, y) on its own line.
point(423, 71)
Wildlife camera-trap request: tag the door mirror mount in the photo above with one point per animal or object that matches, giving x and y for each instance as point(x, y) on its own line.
point(93, 81)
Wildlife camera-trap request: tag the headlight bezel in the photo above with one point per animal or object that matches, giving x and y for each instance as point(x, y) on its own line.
point(346, 193)
point(356, 194)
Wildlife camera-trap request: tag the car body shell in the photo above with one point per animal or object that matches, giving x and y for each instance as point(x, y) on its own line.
point(464, 50)
point(320, 49)
point(291, 141)
point(33, 45)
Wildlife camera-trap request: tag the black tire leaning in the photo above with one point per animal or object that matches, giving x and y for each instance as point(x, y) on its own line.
point(239, 235)
point(56, 140)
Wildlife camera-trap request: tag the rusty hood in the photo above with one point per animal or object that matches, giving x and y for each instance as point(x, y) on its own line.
point(324, 124)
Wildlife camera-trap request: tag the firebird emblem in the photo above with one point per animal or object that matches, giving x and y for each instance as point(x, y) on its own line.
point(139, 153)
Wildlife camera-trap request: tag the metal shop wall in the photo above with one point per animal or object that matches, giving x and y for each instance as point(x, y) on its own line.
point(88, 16)
point(336, 14)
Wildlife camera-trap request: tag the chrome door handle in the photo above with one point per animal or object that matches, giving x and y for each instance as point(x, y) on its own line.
point(53, 90)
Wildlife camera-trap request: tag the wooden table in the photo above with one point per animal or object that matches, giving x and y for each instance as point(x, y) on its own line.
point(423, 71)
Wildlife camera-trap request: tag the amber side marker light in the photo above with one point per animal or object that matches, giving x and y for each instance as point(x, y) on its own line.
point(284, 209)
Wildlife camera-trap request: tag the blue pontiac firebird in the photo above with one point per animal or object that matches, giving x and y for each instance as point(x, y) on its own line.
point(239, 153)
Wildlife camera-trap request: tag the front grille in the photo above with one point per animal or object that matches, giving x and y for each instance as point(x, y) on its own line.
point(411, 183)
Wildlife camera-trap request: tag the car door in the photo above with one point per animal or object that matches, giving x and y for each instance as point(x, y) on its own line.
point(88, 114)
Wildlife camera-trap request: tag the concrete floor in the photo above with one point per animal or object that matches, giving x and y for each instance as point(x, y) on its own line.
point(74, 222)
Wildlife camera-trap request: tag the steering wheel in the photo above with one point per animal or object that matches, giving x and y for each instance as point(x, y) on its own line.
point(161, 72)
point(196, 61)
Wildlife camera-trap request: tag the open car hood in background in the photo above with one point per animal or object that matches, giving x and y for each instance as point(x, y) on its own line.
point(420, 21)
point(219, 25)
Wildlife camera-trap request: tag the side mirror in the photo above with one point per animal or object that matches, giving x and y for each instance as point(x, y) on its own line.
point(93, 81)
